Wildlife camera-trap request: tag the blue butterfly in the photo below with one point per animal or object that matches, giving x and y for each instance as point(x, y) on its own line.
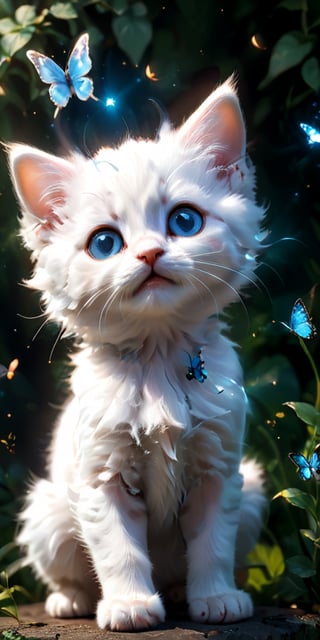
point(301, 321)
point(196, 370)
point(313, 134)
point(72, 81)
point(307, 468)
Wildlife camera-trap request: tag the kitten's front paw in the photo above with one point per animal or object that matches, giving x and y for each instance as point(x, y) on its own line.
point(130, 614)
point(71, 602)
point(222, 607)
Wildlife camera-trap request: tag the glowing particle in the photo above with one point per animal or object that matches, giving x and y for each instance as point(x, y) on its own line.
point(110, 102)
point(257, 42)
point(151, 74)
point(280, 414)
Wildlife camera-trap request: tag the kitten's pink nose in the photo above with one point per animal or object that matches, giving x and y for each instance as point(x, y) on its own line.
point(149, 256)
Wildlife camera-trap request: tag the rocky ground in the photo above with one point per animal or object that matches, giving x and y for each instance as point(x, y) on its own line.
point(267, 624)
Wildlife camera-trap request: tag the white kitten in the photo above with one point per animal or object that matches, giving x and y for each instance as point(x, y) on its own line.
point(136, 253)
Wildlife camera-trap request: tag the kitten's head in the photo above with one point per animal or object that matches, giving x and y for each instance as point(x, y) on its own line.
point(153, 235)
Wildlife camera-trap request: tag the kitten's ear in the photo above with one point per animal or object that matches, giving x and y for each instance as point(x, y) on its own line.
point(217, 126)
point(40, 181)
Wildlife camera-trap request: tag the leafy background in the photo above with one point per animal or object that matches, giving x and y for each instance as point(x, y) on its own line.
point(189, 47)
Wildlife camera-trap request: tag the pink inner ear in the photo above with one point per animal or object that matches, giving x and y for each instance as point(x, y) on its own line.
point(40, 181)
point(217, 125)
point(232, 133)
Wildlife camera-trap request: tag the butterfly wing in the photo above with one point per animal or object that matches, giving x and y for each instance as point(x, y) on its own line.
point(304, 467)
point(83, 88)
point(79, 64)
point(200, 372)
point(204, 373)
point(3, 371)
point(315, 463)
point(60, 94)
point(195, 367)
point(50, 73)
point(300, 321)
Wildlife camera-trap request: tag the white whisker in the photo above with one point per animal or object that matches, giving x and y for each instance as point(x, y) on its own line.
point(59, 336)
point(194, 277)
point(106, 308)
point(255, 281)
point(43, 324)
point(228, 285)
point(39, 315)
point(90, 301)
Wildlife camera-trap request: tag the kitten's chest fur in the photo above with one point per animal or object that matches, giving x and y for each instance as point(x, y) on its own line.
point(138, 418)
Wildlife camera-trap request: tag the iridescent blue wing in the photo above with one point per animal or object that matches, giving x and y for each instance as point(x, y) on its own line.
point(48, 70)
point(3, 371)
point(304, 467)
point(300, 321)
point(200, 372)
point(50, 73)
point(315, 462)
point(60, 94)
point(313, 134)
point(79, 64)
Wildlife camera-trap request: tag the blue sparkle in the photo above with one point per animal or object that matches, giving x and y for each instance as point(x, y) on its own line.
point(312, 133)
point(110, 102)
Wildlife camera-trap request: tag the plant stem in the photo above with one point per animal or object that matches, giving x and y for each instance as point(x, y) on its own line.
point(315, 371)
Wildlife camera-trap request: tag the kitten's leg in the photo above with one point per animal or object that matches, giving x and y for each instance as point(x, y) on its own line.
point(114, 528)
point(58, 559)
point(209, 522)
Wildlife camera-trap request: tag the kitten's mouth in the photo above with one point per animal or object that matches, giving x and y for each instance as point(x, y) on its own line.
point(153, 281)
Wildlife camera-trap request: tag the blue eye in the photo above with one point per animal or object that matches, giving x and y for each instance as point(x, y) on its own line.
point(185, 221)
point(104, 243)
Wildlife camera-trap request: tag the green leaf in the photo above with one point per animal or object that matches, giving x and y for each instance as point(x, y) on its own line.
point(306, 412)
point(308, 533)
point(300, 499)
point(267, 564)
point(311, 73)
point(10, 610)
point(13, 42)
point(6, 7)
point(63, 11)
point(294, 5)
point(118, 6)
point(288, 52)
point(133, 33)
point(25, 15)
point(300, 566)
point(6, 549)
point(139, 9)
point(292, 587)
point(7, 25)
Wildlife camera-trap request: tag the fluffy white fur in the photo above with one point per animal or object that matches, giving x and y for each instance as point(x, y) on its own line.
point(144, 487)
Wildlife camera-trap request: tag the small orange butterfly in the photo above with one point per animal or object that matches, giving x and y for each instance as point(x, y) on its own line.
point(8, 372)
